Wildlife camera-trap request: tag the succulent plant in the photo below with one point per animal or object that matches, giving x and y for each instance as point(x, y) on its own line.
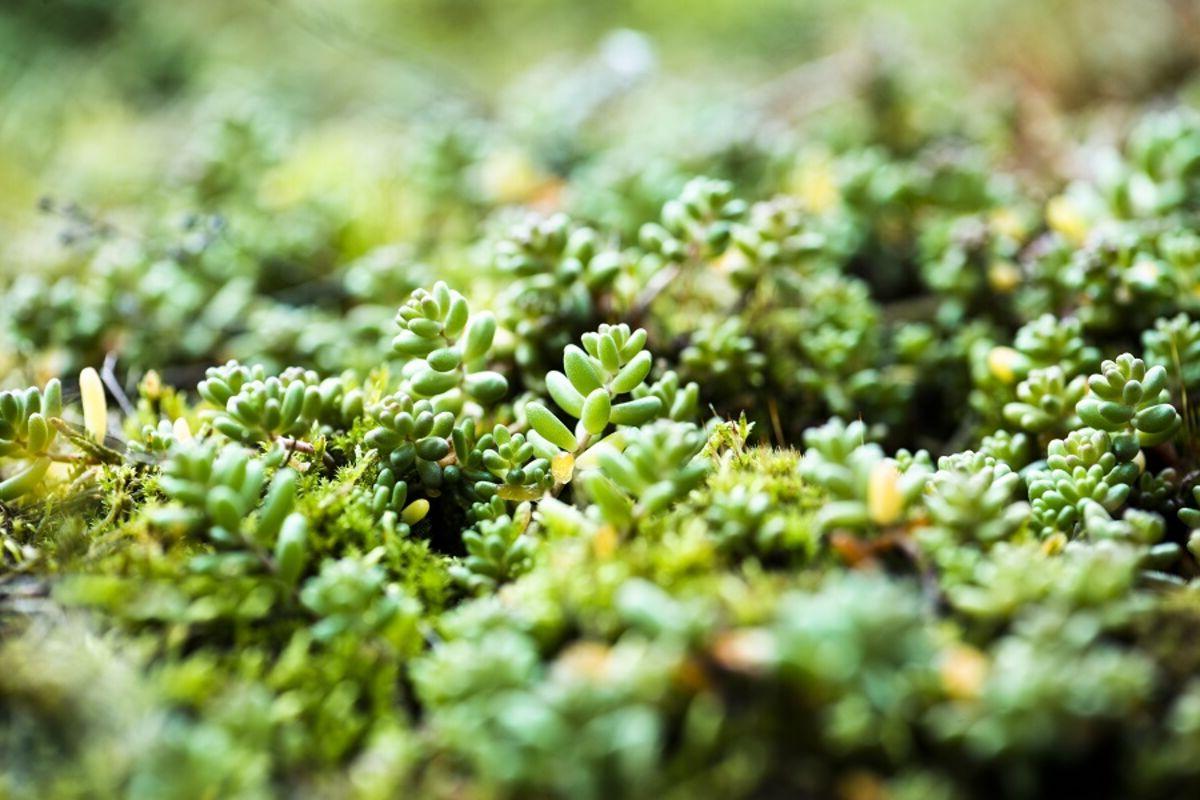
point(487, 451)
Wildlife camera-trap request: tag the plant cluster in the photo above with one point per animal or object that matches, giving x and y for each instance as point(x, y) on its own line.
point(865, 466)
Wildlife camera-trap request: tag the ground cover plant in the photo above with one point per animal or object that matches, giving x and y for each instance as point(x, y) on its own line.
point(729, 431)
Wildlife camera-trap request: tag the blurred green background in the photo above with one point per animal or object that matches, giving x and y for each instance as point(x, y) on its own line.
point(313, 133)
point(111, 102)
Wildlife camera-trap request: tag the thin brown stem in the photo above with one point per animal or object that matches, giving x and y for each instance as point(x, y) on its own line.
point(300, 446)
point(108, 374)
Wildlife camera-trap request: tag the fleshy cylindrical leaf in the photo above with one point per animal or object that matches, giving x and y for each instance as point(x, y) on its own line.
point(636, 412)
point(549, 426)
point(596, 410)
point(564, 393)
point(633, 373)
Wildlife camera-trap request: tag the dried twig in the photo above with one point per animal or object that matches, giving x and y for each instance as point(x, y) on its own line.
point(109, 376)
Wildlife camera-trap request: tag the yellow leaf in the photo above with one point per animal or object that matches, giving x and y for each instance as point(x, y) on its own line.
point(509, 492)
point(884, 501)
point(604, 543)
point(1007, 222)
point(95, 406)
point(1002, 363)
point(963, 670)
point(1065, 218)
point(1054, 544)
point(563, 467)
point(1004, 276)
